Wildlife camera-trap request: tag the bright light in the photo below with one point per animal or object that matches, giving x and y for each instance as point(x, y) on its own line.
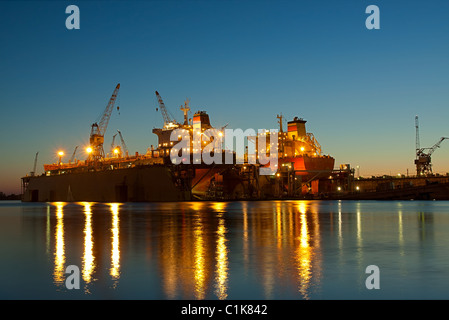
point(88, 149)
point(115, 150)
point(339, 188)
point(302, 148)
point(61, 153)
point(358, 188)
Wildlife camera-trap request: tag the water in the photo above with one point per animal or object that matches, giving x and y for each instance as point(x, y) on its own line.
point(225, 250)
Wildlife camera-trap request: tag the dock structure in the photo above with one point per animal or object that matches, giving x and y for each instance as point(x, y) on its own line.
point(175, 168)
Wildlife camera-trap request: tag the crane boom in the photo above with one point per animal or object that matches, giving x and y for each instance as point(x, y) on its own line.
point(33, 173)
point(436, 145)
point(102, 126)
point(417, 133)
point(125, 148)
point(99, 129)
point(167, 119)
point(113, 142)
point(73, 155)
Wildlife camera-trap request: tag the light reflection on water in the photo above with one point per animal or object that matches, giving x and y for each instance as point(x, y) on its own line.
point(243, 250)
point(59, 245)
point(115, 251)
point(88, 256)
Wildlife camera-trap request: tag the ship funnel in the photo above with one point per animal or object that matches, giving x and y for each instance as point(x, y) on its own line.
point(297, 128)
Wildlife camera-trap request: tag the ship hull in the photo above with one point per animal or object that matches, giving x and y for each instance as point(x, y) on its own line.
point(152, 183)
point(310, 166)
point(149, 183)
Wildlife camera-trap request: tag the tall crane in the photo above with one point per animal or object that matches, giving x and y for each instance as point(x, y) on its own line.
point(169, 121)
point(125, 148)
point(73, 155)
point(417, 134)
point(423, 159)
point(33, 173)
point(113, 143)
point(99, 129)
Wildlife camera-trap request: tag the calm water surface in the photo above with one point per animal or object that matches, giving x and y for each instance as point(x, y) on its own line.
point(225, 250)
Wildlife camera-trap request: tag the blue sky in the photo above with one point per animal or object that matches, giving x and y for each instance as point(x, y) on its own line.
point(242, 61)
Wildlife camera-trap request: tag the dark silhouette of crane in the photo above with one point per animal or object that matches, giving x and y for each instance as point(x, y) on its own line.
point(73, 155)
point(423, 159)
point(169, 121)
point(33, 173)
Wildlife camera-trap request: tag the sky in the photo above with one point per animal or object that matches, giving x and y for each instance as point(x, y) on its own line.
point(243, 62)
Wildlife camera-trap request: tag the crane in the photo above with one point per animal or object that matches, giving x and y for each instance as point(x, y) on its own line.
point(423, 159)
point(417, 134)
point(98, 129)
point(125, 149)
point(33, 173)
point(169, 122)
point(73, 155)
point(113, 143)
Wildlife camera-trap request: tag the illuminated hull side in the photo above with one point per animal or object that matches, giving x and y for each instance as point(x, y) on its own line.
point(319, 166)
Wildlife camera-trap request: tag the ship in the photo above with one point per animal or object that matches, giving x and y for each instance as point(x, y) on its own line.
point(119, 176)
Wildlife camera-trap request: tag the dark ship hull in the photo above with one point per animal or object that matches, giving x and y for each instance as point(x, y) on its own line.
point(152, 183)
point(138, 184)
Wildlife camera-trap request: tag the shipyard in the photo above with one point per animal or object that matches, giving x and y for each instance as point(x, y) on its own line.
point(189, 163)
point(224, 158)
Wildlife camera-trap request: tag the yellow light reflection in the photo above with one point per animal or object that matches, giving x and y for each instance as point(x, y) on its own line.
point(304, 253)
point(171, 258)
point(304, 232)
point(401, 233)
point(199, 273)
point(48, 231)
point(88, 257)
point(245, 235)
point(115, 245)
point(219, 206)
point(359, 226)
point(302, 207)
point(222, 261)
point(340, 223)
point(197, 206)
point(278, 213)
point(59, 272)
